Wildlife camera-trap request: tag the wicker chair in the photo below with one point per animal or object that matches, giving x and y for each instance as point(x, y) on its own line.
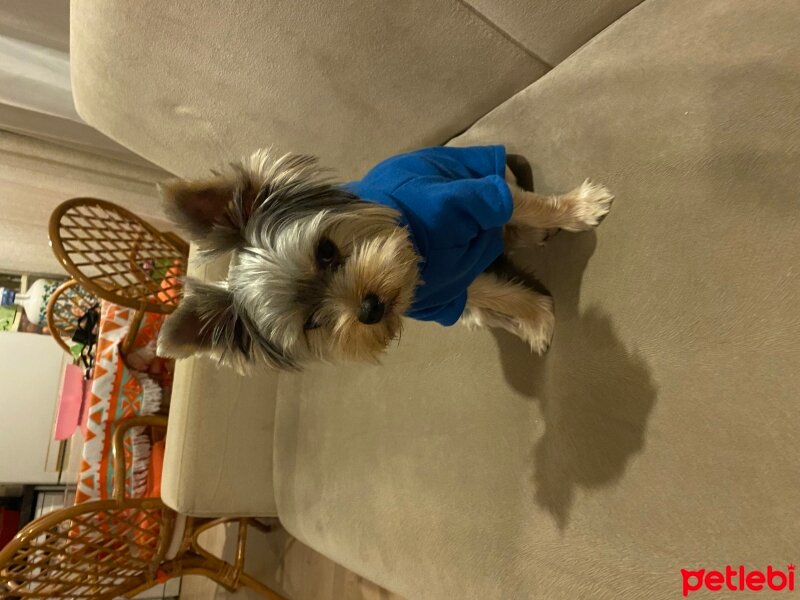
point(120, 547)
point(65, 305)
point(117, 256)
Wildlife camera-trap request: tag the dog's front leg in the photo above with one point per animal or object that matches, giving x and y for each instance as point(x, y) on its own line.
point(496, 302)
point(578, 210)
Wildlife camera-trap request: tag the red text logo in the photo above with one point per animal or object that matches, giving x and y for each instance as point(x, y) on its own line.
point(739, 579)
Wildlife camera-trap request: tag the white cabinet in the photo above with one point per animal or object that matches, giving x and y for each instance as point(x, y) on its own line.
point(31, 367)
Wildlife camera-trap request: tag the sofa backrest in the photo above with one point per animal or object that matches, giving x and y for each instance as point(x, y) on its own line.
point(190, 84)
point(551, 30)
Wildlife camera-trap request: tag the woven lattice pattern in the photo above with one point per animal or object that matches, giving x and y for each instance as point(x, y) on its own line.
point(118, 256)
point(67, 304)
point(99, 552)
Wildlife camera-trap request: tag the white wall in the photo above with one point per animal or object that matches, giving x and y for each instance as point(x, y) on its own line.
point(36, 176)
point(31, 367)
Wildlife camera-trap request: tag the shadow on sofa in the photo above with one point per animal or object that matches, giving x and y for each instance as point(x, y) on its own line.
point(595, 394)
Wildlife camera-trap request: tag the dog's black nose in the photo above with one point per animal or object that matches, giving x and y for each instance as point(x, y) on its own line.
point(371, 310)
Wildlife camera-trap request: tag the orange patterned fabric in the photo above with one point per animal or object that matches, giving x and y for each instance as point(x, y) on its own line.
point(144, 521)
point(156, 467)
point(148, 330)
point(116, 393)
point(171, 285)
point(158, 369)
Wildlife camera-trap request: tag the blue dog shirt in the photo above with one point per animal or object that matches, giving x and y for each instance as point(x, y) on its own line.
point(455, 202)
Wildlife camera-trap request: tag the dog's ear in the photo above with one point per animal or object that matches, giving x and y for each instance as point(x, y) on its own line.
point(213, 211)
point(207, 322)
point(203, 323)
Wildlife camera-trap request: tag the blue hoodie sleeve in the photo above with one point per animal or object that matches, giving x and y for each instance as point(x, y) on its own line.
point(455, 212)
point(451, 163)
point(462, 163)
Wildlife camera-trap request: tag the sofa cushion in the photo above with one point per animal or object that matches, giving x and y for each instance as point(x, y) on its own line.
point(659, 432)
point(220, 427)
point(552, 29)
point(188, 85)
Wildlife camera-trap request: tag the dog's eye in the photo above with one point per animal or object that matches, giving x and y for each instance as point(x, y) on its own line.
point(311, 323)
point(327, 255)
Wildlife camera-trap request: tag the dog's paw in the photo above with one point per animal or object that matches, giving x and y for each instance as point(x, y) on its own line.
point(536, 328)
point(587, 205)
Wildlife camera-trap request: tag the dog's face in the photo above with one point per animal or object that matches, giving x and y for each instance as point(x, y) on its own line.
point(316, 273)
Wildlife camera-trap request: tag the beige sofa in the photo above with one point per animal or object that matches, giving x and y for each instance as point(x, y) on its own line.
point(658, 433)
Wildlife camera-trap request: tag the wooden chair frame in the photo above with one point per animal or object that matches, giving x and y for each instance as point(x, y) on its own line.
point(58, 327)
point(83, 243)
point(33, 568)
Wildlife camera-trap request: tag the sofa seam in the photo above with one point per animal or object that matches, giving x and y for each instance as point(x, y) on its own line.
point(505, 34)
point(550, 68)
point(603, 30)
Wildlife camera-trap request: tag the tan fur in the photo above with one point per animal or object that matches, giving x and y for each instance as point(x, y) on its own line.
point(518, 237)
point(283, 307)
point(578, 210)
point(509, 305)
point(385, 266)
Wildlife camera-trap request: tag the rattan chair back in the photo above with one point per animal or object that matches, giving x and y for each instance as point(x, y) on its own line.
point(100, 549)
point(105, 549)
point(65, 305)
point(117, 256)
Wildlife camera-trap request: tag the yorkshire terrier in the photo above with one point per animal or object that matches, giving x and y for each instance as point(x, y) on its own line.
point(327, 271)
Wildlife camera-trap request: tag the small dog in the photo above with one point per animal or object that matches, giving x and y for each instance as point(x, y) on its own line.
point(326, 271)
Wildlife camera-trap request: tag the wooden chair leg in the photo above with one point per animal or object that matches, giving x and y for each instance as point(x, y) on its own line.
point(241, 548)
point(232, 576)
point(127, 345)
point(262, 527)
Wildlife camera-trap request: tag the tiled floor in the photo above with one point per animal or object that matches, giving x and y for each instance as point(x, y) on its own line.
point(287, 566)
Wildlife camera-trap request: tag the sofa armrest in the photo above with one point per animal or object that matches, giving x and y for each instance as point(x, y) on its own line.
point(218, 459)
